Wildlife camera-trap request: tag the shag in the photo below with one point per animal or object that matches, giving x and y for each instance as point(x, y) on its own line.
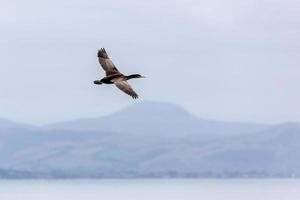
point(113, 76)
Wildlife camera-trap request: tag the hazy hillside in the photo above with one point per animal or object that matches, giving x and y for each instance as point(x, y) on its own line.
point(6, 125)
point(151, 118)
point(151, 140)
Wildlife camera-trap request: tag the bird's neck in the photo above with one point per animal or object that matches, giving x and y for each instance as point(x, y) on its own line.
point(133, 76)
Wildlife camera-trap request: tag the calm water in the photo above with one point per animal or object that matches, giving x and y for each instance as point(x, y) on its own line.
point(151, 190)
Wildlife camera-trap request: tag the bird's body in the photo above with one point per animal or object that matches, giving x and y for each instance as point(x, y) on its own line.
point(113, 76)
point(109, 79)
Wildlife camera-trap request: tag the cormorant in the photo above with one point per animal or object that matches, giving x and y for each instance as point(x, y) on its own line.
point(113, 76)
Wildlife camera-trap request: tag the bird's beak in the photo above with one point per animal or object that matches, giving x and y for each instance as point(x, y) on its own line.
point(143, 76)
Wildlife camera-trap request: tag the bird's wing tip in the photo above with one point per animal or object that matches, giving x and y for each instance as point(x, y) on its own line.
point(135, 96)
point(102, 53)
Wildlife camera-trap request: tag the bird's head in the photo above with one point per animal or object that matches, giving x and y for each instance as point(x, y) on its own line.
point(140, 76)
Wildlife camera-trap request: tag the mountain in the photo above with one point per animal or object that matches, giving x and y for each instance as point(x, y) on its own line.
point(273, 151)
point(163, 119)
point(6, 125)
point(151, 140)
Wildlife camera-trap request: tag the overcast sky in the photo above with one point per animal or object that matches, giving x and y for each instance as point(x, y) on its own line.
point(220, 59)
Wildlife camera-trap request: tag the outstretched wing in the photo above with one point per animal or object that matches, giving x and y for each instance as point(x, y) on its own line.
point(106, 63)
point(125, 87)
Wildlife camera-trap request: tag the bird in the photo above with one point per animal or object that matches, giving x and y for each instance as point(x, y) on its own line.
point(113, 76)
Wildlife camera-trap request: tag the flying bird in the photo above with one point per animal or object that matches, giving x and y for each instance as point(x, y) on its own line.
point(113, 76)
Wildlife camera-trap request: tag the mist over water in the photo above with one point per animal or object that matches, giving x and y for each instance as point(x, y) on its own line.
point(271, 189)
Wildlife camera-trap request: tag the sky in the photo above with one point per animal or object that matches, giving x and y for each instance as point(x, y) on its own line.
point(228, 60)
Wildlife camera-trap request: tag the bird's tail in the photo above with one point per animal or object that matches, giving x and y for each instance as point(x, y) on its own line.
point(97, 82)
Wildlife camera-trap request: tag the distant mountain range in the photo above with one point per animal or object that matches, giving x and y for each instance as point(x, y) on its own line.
point(149, 139)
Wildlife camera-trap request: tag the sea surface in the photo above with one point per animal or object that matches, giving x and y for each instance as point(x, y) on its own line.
point(225, 189)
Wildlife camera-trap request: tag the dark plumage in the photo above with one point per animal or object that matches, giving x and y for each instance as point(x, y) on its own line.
point(113, 76)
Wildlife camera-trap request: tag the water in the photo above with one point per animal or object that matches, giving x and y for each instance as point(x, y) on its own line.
point(266, 189)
